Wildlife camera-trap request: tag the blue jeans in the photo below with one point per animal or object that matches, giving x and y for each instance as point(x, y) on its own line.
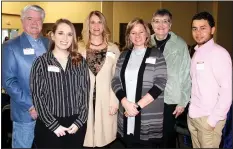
point(23, 134)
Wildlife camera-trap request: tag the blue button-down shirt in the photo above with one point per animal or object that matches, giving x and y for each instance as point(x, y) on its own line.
point(37, 45)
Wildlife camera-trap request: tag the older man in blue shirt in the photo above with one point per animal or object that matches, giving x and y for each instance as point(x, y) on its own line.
point(18, 56)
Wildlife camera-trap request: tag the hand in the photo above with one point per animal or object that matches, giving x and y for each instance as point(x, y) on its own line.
point(130, 107)
point(33, 113)
point(127, 115)
point(113, 109)
point(179, 110)
point(72, 129)
point(60, 131)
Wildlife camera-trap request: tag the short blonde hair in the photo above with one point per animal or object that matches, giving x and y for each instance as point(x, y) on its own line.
point(130, 26)
point(86, 28)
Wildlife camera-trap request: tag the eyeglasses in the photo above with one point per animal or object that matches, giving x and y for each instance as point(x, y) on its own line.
point(157, 22)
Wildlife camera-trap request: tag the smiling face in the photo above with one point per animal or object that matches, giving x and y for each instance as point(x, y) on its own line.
point(32, 23)
point(138, 36)
point(161, 25)
point(202, 31)
point(62, 37)
point(96, 26)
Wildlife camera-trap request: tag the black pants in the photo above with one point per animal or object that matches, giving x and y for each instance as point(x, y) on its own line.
point(45, 138)
point(130, 142)
point(169, 133)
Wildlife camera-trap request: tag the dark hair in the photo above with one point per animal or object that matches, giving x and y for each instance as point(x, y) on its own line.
point(130, 26)
point(162, 12)
point(73, 49)
point(205, 16)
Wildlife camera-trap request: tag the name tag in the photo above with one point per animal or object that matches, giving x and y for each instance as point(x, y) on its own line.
point(52, 68)
point(200, 66)
point(28, 51)
point(151, 60)
point(111, 54)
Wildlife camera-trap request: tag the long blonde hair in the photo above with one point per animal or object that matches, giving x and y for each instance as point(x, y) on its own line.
point(86, 28)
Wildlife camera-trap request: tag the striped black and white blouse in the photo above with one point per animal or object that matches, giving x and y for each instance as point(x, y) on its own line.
point(59, 93)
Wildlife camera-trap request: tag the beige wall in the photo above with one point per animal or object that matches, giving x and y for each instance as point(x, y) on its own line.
point(205, 6)
point(76, 12)
point(123, 12)
point(182, 16)
point(11, 15)
point(225, 25)
point(107, 10)
point(223, 14)
point(13, 7)
point(211, 7)
point(182, 13)
point(11, 21)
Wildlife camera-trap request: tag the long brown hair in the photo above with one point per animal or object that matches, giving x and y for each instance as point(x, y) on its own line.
point(73, 49)
point(86, 28)
point(130, 26)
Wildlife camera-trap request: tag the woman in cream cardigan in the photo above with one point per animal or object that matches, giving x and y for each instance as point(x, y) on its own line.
point(101, 56)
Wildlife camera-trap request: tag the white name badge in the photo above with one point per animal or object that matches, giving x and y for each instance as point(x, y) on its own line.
point(53, 68)
point(151, 60)
point(200, 66)
point(111, 54)
point(28, 51)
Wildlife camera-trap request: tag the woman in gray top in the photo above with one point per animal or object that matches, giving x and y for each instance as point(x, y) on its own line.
point(139, 81)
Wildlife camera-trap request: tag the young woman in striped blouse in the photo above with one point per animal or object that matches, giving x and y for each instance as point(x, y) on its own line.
point(60, 90)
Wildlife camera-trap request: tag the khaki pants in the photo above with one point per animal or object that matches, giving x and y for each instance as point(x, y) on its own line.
point(202, 135)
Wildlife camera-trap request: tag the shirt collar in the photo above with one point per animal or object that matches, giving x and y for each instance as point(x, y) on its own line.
point(31, 39)
point(51, 56)
point(206, 46)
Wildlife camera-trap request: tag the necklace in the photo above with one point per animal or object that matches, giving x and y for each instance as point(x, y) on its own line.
point(97, 44)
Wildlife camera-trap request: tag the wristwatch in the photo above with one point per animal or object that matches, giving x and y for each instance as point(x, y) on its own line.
point(139, 108)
